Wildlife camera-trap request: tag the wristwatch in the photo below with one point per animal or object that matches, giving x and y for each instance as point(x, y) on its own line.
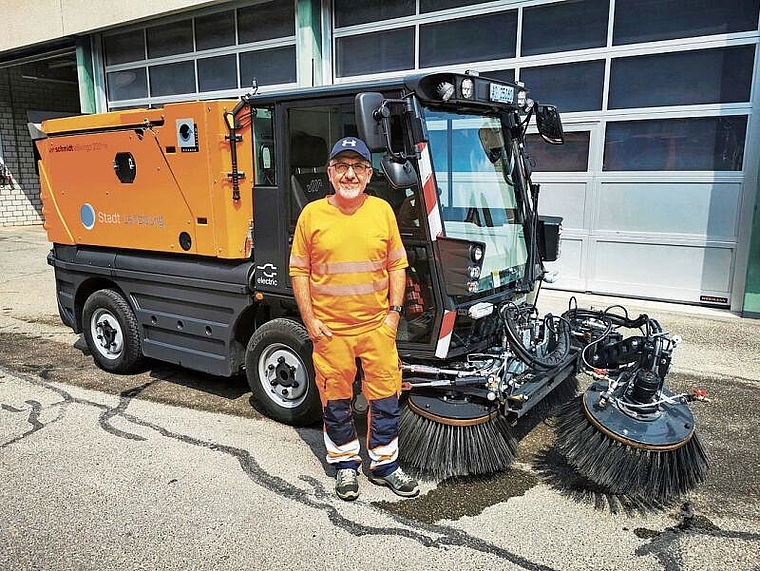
point(397, 308)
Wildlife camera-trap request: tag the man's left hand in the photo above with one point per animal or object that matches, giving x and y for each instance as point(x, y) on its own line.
point(392, 320)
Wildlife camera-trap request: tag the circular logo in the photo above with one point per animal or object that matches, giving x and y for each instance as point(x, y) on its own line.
point(87, 216)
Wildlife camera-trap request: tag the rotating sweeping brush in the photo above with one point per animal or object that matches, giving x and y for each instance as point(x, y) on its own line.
point(443, 436)
point(646, 451)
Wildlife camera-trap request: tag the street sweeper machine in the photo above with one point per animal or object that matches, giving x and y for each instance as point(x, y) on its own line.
point(171, 232)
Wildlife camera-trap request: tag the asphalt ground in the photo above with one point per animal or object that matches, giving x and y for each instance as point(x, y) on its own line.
point(169, 469)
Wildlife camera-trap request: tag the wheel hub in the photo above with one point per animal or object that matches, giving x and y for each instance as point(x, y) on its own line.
point(283, 375)
point(107, 334)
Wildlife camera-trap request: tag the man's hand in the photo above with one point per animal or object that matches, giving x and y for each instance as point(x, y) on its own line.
point(317, 330)
point(392, 320)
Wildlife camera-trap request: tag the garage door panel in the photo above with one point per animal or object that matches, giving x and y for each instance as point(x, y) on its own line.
point(661, 270)
point(566, 199)
point(569, 265)
point(708, 210)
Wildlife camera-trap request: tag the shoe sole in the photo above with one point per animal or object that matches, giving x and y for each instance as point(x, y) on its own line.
point(347, 496)
point(403, 494)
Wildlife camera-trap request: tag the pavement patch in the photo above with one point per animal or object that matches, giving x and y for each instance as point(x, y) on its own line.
point(458, 497)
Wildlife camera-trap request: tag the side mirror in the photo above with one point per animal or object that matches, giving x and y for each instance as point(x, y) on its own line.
point(368, 121)
point(400, 175)
point(549, 124)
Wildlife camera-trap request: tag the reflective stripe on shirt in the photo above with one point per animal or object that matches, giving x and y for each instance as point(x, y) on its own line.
point(348, 267)
point(340, 290)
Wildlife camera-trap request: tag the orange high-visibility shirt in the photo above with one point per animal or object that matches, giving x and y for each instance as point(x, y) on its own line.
point(347, 259)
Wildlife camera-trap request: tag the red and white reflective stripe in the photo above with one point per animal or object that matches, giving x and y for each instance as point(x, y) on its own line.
point(430, 192)
point(444, 337)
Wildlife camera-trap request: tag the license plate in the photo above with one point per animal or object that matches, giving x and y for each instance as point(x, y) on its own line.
point(502, 93)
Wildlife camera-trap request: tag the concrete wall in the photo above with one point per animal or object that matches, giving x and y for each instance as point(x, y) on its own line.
point(20, 199)
point(29, 23)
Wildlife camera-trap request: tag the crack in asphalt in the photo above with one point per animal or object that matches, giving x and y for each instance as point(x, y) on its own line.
point(316, 498)
point(33, 419)
point(126, 397)
point(663, 544)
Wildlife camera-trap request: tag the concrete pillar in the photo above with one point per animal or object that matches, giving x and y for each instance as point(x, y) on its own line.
point(751, 307)
point(85, 76)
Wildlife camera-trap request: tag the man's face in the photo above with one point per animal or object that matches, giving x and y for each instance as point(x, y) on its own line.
point(349, 174)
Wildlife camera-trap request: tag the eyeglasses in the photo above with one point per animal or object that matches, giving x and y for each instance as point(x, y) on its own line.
point(359, 168)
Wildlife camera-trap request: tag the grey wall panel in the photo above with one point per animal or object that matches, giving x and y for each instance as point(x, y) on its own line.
point(663, 271)
point(708, 210)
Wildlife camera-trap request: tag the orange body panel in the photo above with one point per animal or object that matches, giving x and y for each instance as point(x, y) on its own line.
point(181, 184)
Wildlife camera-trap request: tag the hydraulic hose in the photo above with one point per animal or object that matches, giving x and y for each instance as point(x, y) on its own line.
point(556, 358)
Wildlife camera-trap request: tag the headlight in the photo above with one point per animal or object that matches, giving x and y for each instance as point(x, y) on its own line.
point(522, 97)
point(473, 272)
point(468, 88)
point(476, 253)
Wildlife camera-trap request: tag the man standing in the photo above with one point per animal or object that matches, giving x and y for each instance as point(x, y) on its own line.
point(347, 267)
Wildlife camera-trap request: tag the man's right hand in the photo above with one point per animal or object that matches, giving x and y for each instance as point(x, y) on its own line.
point(317, 330)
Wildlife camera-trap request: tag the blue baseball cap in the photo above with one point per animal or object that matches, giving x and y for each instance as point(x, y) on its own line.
point(351, 144)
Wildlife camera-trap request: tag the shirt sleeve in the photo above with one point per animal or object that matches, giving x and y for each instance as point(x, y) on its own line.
point(300, 259)
point(396, 251)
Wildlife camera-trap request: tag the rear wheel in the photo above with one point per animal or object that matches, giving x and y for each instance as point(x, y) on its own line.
point(281, 374)
point(112, 332)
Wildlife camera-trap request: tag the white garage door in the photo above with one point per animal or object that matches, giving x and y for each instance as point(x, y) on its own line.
point(652, 234)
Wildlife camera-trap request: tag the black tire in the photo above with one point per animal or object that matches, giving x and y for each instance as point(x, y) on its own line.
point(112, 332)
point(280, 372)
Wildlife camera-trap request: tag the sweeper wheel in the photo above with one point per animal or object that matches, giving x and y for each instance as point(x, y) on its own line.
point(452, 436)
point(654, 453)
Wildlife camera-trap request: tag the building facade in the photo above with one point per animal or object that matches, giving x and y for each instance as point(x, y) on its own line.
point(658, 178)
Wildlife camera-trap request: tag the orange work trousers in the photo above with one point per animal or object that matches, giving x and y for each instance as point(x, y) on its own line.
point(335, 366)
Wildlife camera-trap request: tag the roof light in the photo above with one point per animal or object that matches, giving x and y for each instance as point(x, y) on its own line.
point(468, 88)
point(445, 90)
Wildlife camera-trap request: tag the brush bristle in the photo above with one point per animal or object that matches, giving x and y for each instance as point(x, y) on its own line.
point(623, 469)
point(433, 450)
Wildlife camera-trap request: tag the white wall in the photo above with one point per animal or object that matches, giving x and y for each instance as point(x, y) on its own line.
point(32, 22)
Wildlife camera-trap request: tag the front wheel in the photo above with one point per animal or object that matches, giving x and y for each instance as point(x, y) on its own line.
point(280, 372)
point(112, 332)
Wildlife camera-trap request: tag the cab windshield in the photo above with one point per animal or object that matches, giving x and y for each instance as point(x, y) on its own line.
point(475, 192)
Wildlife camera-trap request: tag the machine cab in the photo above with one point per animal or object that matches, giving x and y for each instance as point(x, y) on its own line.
point(449, 172)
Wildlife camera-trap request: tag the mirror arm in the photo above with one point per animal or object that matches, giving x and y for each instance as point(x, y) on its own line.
point(383, 115)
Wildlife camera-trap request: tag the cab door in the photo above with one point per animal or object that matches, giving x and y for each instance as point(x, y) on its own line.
point(311, 128)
